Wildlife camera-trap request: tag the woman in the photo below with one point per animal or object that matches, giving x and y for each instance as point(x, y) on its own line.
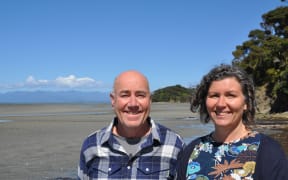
point(233, 150)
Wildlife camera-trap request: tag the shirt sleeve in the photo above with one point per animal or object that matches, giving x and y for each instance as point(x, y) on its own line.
point(82, 167)
point(271, 161)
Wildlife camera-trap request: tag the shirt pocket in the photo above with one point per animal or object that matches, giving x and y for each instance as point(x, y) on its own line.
point(154, 169)
point(104, 170)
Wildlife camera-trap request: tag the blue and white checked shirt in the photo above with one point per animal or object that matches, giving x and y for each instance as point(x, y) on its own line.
point(102, 157)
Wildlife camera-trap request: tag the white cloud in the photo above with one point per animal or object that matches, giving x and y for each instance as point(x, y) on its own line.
point(73, 81)
point(60, 83)
point(31, 81)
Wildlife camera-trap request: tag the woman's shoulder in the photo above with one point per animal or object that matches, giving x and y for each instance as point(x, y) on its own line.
point(268, 140)
point(271, 161)
point(195, 142)
point(269, 146)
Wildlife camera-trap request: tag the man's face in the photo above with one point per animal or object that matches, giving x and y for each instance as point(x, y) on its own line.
point(131, 101)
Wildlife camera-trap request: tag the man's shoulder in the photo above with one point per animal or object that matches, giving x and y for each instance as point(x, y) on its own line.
point(94, 138)
point(166, 132)
point(97, 132)
point(163, 128)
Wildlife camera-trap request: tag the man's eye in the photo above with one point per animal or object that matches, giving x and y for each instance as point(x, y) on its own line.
point(124, 95)
point(142, 95)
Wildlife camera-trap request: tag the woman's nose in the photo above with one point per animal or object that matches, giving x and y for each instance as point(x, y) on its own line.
point(221, 101)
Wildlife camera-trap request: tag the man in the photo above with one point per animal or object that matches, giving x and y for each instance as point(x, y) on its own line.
point(133, 146)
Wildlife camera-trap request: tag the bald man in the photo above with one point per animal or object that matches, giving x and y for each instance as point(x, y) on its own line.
point(133, 146)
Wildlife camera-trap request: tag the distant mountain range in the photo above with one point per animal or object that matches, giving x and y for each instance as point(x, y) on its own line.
point(54, 97)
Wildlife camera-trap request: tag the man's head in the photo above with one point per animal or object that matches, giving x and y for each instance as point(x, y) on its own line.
point(131, 101)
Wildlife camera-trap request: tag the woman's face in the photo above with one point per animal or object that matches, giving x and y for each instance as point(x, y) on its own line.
point(225, 102)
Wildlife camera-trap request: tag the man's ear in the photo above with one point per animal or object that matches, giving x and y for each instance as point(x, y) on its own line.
point(112, 99)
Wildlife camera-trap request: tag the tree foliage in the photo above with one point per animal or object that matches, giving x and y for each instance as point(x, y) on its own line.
point(265, 56)
point(175, 93)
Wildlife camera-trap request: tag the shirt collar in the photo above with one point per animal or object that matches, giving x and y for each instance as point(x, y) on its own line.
point(107, 132)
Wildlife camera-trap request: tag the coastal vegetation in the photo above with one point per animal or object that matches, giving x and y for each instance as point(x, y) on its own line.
point(264, 56)
point(175, 93)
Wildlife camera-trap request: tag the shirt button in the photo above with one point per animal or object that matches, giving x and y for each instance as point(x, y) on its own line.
point(109, 169)
point(147, 169)
point(128, 167)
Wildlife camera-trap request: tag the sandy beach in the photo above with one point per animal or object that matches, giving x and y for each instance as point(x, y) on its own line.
point(42, 141)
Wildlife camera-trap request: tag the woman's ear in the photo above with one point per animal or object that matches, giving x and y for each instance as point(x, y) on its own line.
point(245, 106)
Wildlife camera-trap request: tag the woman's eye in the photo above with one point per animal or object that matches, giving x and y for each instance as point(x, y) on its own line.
point(213, 96)
point(231, 95)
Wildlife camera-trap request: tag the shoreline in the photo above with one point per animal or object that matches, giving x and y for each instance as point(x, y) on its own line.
point(43, 141)
point(275, 116)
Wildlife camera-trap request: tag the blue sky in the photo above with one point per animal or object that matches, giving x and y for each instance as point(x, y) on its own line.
point(69, 44)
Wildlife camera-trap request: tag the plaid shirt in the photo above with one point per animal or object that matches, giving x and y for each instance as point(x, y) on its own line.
point(102, 157)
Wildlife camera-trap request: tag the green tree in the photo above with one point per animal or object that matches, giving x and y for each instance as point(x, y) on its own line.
point(265, 56)
point(175, 93)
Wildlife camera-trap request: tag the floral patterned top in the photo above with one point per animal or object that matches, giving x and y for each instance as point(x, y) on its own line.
point(213, 160)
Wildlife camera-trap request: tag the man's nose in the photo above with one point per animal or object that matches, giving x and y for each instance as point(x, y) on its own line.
point(133, 101)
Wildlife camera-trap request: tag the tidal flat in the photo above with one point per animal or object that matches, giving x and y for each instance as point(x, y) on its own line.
point(43, 141)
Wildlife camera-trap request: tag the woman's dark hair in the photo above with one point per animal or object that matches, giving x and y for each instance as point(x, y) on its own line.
point(198, 101)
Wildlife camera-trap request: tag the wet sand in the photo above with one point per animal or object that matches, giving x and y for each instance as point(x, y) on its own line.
point(42, 141)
